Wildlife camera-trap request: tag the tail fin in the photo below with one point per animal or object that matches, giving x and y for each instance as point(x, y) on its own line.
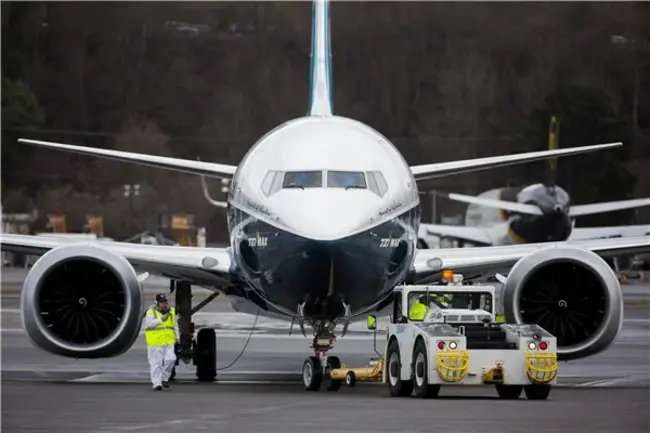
point(320, 80)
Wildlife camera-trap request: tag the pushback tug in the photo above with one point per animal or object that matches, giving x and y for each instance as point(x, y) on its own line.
point(459, 342)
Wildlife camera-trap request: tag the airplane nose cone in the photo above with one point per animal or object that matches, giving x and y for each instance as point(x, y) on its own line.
point(557, 208)
point(327, 214)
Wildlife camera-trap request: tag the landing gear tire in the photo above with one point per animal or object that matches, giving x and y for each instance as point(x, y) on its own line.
point(206, 355)
point(331, 384)
point(509, 392)
point(420, 373)
point(537, 392)
point(396, 386)
point(351, 379)
point(312, 374)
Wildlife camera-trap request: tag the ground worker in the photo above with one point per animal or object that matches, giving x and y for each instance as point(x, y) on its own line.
point(161, 335)
point(418, 310)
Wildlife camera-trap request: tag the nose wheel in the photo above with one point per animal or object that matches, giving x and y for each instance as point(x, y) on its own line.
point(312, 374)
point(316, 369)
point(315, 374)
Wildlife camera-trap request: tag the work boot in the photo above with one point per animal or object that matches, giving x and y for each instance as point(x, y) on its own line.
point(165, 384)
point(157, 388)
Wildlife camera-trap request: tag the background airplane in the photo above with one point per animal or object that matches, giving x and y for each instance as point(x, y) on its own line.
point(323, 214)
point(534, 213)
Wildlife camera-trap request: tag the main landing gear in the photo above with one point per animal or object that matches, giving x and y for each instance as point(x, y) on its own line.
point(202, 350)
point(316, 369)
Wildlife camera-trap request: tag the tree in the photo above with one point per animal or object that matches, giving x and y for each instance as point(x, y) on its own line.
point(21, 111)
point(587, 117)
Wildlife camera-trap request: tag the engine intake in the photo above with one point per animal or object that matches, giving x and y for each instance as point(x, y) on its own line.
point(82, 301)
point(570, 292)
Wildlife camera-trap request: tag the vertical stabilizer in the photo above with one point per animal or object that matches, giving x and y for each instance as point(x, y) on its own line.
point(320, 79)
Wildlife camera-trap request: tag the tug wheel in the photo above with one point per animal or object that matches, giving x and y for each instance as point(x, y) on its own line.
point(312, 374)
point(351, 379)
point(396, 386)
point(537, 392)
point(420, 373)
point(331, 384)
point(509, 392)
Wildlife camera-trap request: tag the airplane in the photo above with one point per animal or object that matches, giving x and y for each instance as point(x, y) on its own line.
point(540, 212)
point(208, 197)
point(323, 214)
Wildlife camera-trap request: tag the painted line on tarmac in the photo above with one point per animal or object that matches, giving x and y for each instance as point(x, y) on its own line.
point(97, 378)
point(109, 377)
point(637, 320)
point(94, 379)
point(612, 382)
point(240, 334)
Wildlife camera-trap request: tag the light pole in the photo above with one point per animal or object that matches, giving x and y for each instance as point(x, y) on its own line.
point(131, 190)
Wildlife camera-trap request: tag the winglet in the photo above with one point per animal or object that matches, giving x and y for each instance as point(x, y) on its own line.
point(206, 193)
point(320, 78)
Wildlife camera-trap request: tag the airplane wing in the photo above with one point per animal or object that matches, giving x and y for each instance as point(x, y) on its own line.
point(499, 204)
point(471, 234)
point(204, 266)
point(429, 264)
point(610, 206)
point(222, 171)
point(582, 233)
point(440, 169)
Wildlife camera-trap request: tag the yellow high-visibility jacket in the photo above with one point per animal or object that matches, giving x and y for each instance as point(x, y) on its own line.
point(159, 333)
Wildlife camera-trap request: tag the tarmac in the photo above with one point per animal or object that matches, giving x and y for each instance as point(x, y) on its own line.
point(262, 390)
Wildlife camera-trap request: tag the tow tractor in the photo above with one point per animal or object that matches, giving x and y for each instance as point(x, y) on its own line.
point(458, 342)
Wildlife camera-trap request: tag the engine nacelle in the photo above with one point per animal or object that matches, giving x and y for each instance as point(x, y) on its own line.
point(570, 292)
point(82, 301)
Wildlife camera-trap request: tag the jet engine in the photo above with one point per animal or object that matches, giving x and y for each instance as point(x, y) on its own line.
point(572, 293)
point(82, 301)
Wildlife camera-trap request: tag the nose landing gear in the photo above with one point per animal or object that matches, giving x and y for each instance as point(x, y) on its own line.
point(316, 369)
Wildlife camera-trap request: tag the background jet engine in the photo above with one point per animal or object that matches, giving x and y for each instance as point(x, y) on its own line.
point(570, 292)
point(82, 301)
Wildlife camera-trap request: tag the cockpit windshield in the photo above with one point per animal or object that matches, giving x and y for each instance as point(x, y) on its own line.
point(420, 302)
point(346, 179)
point(303, 179)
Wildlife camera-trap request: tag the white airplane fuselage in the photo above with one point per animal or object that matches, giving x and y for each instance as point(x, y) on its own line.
point(319, 243)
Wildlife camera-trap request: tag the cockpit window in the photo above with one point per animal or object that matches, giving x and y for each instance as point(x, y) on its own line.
point(346, 179)
point(377, 183)
point(303, 179)
point(272, 182)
